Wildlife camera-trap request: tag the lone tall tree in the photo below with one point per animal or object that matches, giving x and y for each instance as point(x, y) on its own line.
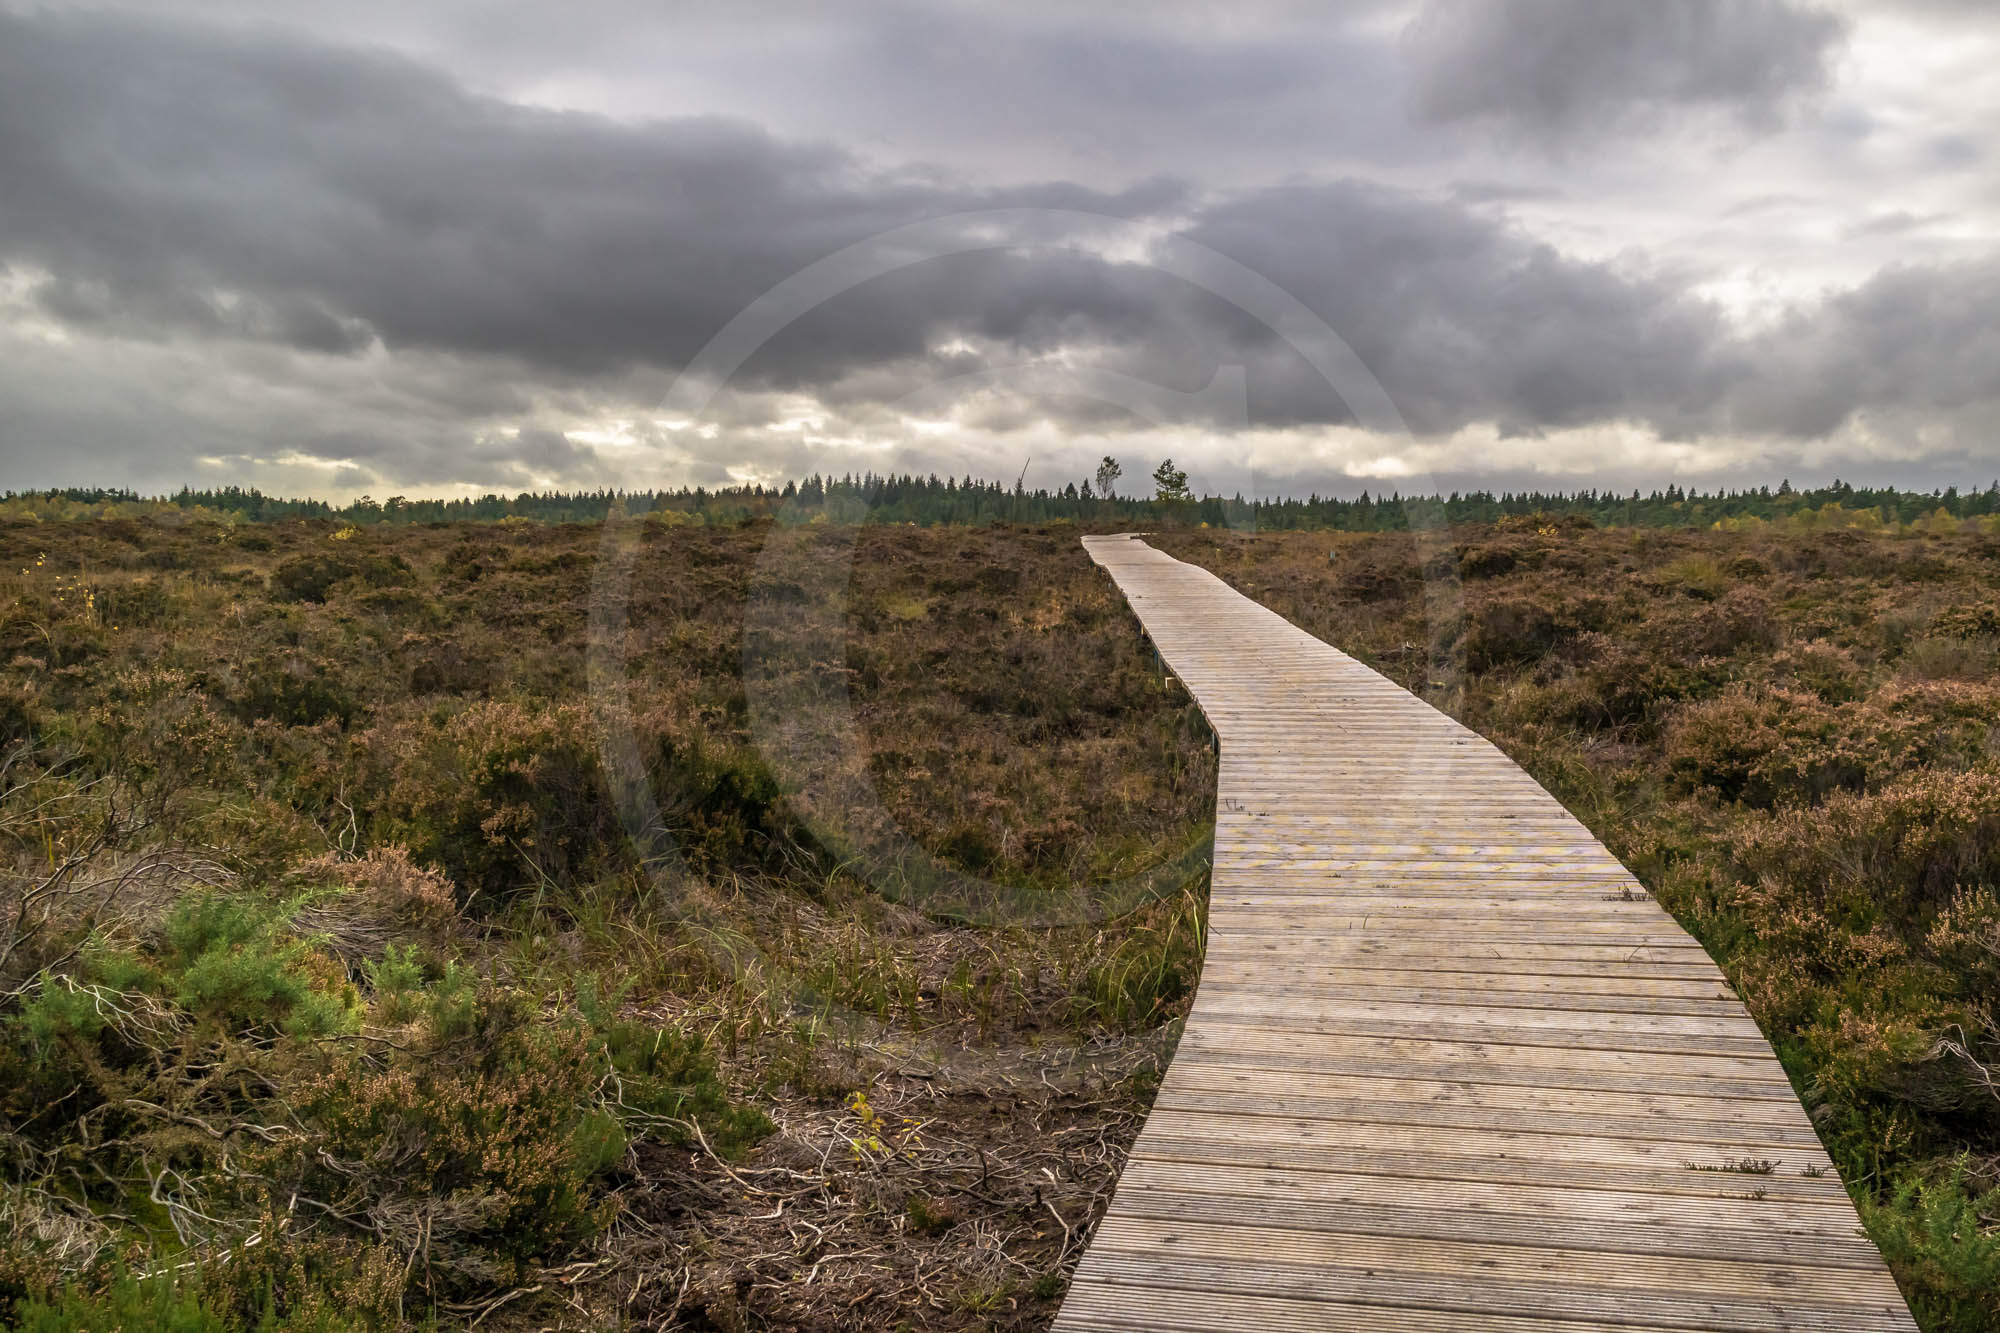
point(1108, 473)
point(1170, 482)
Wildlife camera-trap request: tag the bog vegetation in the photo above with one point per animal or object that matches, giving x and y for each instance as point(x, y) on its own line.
point(353, 979)
point(1793, 737)
point(338, 993)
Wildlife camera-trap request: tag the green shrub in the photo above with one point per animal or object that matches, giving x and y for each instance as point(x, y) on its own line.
point(309, 1287)
point(127, 1306)
point(724, 807)
point(665, 1074)
point(1939, 1238)
point(234, 964)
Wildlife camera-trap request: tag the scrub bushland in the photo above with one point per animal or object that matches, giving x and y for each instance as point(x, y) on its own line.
point(338, 993)
point(1792, 736)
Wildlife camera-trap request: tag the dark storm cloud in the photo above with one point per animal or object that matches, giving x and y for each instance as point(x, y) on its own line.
point(230, 185)
point(1576, 65)
point(194, 181)
point(1464, 318)
point(1032, 90)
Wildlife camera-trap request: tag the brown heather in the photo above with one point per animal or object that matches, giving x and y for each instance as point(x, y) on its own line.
point(391, 1023)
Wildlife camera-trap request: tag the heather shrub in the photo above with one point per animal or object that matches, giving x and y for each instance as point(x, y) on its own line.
point(1629, 686)
point(387, 881)
point(1485, 562)
point(446, 665)
point(315, 1284)
point(1978, 621)
point(1741, 619)
point(1745, 567)
point(1767, 746)
point(296, 690)
point(17, 713)
point(1825, 669)
point(363, 906)
point(501, 798)
point(1905, 850)
point(1380, 580)
point(312, 577)
point(1967, 657)
point(463, 1152)
point(1954, 724)
point(158, 731)
point(1509, 632)
point(135, 602)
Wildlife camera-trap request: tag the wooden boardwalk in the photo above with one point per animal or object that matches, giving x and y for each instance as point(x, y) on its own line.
point(1448, 1067)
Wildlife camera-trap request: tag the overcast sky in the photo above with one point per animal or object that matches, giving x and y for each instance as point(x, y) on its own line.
point(455, 247)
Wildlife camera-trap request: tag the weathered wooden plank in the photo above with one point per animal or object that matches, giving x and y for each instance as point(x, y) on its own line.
point(1593, 1147)
point(1722, 1276)
point(1449, 1068)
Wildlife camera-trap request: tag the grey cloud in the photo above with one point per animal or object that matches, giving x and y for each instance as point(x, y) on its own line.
point(1032, 90)
point(1895, 223)
point(1465, 318)
point(1911, 339)
point(1955, 152)
point(1500, 192)
point(1576, 65)
point(222, 184)
point(1768, 203)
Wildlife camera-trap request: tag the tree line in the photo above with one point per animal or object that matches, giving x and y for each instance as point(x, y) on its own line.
point(931, 500)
